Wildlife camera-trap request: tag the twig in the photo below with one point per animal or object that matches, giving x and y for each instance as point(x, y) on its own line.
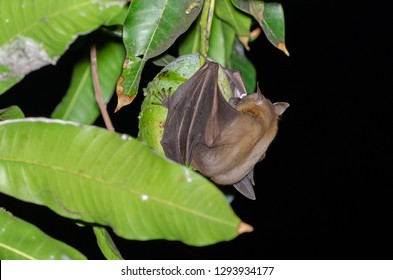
point(206, 23)
point(97, 88)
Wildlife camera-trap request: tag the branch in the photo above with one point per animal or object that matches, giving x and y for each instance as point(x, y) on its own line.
point(97, 88)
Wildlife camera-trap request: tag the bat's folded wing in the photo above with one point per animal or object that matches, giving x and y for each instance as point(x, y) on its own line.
point(190, 108)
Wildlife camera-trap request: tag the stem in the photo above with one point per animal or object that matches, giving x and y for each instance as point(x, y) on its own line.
point(206, 23)
point(97, 88)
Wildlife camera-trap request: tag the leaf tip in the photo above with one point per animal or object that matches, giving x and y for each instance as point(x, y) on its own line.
point(123, 100)
point(282, 47)
point(244, 228)
point(244, 40)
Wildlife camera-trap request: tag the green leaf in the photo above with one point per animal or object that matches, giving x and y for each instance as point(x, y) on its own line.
point(221, 41)
point(255, 8)
point(20, 240)
point(270, 16)
point(238, 20)
point(191, 41)
point(274, 25)
point(106, 244)
point(37, 32)
point(150, 29)
point(91, 174)
point(239, 61)
point(6, 84)
point(79, 103)
point(12, 112)
point(117, 20)
point(222, 37)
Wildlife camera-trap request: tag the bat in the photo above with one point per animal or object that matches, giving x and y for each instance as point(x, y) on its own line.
point(221, 139)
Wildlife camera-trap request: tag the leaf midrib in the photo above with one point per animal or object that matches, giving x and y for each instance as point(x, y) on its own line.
point(148, 47)
point(78, 92)
point(49, 16)
point(15, 251)
point(133, 192)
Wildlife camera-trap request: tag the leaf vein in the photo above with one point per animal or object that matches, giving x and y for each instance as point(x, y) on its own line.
point(134, 192)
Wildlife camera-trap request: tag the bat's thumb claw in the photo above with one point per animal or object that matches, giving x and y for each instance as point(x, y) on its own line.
point(244, 227)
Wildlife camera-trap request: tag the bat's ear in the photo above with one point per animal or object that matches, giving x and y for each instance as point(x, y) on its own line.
point(260, 96)
point(280, 107)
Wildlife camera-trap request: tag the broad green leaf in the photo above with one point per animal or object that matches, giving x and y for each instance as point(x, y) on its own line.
point(37, 32)
point(191, 42)
point(150, 29)
point(221, 41)
point(116, 22)
point(270, 16)
point(6, 84)
point(79, 103)
point(12, 112)
point(20, 240)
point(106, 244)
point(222, 37)
point(91, 174)
point(255, 8)
point(274, 25)
point(238, 20)
point(239, 61)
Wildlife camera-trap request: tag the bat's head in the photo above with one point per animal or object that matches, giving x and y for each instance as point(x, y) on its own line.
point(258, 106)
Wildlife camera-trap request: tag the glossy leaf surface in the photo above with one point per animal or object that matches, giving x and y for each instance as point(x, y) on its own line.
point(20, 240)
point(150, 29)
point(90, 174)
point(106, 244)
point(239, 21)
point(36, 33)
point(238, 60)
point(12, 112)
point(270, 16)
point(79, 103)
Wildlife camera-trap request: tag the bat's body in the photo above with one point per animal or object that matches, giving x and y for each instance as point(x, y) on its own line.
point(222, 140)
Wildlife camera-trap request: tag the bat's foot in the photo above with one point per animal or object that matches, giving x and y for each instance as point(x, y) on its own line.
point(163, 96)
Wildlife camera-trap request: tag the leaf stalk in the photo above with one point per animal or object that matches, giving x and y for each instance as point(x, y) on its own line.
point(97, 88)
point(206, 23)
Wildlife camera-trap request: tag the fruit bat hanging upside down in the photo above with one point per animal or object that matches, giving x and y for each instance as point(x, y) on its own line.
point(222, 140)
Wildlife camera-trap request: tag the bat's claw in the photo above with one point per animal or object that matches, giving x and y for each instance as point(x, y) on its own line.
point(163, 96)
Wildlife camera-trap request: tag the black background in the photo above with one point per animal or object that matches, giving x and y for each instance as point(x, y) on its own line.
point(324, 190)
